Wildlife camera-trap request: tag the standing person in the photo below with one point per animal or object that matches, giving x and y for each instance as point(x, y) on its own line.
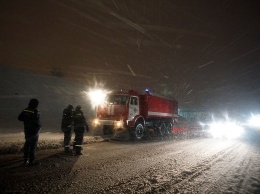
point(80, 126)
point(66, 127)
point(32, 125)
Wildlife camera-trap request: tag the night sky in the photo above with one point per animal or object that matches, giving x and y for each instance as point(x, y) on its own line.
point(204, 53)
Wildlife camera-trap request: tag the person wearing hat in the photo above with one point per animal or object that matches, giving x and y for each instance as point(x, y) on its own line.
point(66, 127)
point(80, 126)
point(32, 125)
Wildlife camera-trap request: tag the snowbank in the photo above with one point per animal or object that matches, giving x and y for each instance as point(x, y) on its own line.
point(13, 143)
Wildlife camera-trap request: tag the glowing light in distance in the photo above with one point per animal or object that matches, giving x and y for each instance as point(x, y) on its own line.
point(225, 129)
point(254, 121)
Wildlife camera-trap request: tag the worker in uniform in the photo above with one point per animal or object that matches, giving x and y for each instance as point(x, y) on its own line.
point(66, 127)
point(80, 126)
point(32, 125)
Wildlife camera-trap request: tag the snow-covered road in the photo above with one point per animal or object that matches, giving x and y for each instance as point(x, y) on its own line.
point(194, 165)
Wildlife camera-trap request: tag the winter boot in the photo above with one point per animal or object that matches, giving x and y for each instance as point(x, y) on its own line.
point(67, 150)
point(78, 151)
point(34, 163)
point(25, 162)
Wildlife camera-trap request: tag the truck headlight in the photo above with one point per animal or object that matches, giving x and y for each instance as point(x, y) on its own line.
point(96, 122)
point(119, 124)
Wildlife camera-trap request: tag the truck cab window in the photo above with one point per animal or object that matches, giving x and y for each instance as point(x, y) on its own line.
point(117, 99)
point(134, 101)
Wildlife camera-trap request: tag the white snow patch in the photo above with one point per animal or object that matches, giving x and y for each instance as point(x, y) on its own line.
point(13, 143)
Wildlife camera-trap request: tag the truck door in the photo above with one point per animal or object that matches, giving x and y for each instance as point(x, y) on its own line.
point(133, 107)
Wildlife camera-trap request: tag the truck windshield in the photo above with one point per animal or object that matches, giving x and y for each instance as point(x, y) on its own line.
point(117, 99)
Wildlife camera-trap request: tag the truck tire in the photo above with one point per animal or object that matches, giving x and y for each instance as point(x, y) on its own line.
point(139, 130)
point(168, 128)
point(162, 129)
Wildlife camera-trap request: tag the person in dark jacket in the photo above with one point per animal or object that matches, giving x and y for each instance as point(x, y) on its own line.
point(80, 126)
point(31, 119)
point(66, 127)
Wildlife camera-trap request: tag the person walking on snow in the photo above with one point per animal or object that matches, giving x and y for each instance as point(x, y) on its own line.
point(32, 125)
point(66, 127)
point(80, 126)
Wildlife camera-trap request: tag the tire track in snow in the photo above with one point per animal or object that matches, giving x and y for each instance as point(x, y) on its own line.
point(155, 180)
point(198, 170)
point(224, 170)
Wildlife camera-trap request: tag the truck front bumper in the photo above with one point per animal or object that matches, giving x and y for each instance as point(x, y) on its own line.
point(115, 124)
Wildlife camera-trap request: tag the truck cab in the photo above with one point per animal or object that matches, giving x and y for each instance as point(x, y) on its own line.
point(119, 108)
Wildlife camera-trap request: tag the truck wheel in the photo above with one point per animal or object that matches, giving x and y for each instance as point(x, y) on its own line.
point(168, 128)
point(162, 129)
point(139, 130)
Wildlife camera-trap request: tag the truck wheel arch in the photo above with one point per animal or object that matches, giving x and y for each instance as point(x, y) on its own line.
point(138, 119)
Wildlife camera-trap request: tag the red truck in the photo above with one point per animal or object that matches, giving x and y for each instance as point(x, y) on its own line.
point(137, 113)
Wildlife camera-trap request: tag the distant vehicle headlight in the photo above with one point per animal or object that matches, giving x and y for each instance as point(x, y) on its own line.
point(254, 121)
point(225, 129)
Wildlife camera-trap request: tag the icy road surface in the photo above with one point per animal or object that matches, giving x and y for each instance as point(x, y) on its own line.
point(197, 165)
